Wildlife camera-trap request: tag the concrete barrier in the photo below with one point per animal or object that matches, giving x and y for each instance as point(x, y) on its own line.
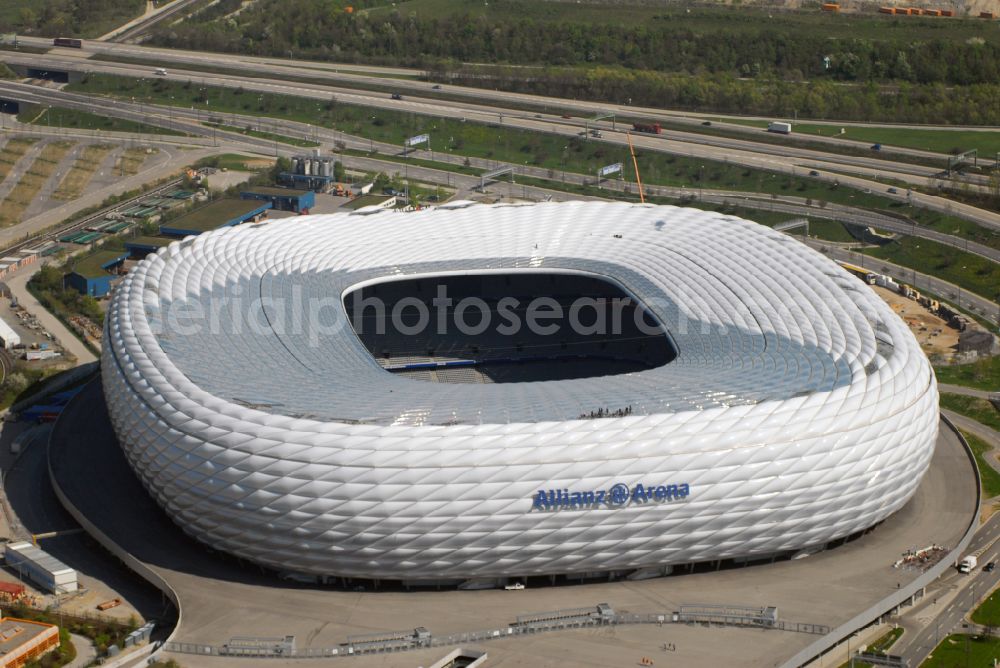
point(141, 569)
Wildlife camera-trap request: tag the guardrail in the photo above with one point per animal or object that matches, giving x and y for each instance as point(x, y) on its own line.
point(899, 596)
point(425, 640)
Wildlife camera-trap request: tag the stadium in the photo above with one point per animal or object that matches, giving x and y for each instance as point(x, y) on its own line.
point(483, 392)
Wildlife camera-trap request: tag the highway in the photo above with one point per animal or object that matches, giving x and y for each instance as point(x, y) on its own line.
point(408, 80)
point(190, 121)
point(861, 173)
point(968, 301)
point(186, 120)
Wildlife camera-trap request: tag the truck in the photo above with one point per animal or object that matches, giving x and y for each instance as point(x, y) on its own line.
point(967, 564)
point(67, 41)
point(651, 128)
point(780, 127)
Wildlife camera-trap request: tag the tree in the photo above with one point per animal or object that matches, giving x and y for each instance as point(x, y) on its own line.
point(16, 383)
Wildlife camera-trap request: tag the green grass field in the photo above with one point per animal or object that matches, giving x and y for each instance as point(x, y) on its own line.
point(988, 613)
point(982, 374)
point(987, 474)
point(925, 139)
point(260, 134)
point(828, 230)
point(959, 650)
point(952, 225)
point(515, 147)
point(970, 272)
point(234, 161)
point(71, 118)
point(979, 410)
point(493, 142)
point(880, 645)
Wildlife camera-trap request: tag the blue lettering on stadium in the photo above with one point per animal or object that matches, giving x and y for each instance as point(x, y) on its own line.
point(617, 496)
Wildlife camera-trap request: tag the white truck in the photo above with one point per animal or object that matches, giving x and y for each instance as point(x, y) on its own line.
point(967, 564)
point(780, 127)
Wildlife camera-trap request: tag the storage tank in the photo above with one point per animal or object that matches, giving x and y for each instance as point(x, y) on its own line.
point(306, 166)
point(296, 166)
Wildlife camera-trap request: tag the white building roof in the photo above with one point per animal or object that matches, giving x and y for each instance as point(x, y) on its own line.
point(799, 407)
point(8, 335)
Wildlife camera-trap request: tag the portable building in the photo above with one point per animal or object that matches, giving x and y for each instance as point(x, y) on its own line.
point(33, 563)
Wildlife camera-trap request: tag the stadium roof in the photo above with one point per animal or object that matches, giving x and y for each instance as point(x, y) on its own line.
point(754, 314)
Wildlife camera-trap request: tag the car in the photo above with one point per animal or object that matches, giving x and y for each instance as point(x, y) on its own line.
point(707, 123)
point(596, 133)
point(514, 587)
point(990, 566)
point(397, 96)
point(813, 173)
point(566, 116)
point(892, 191)
point(436, 87)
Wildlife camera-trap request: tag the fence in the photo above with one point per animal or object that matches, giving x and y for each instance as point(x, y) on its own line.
point(416, 641)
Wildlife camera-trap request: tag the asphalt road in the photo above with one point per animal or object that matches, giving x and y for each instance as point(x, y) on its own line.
point(964, 299)
point(782, 159)
point(31, 498)
point(189, 121)
point(950, 599)
point(339, 72)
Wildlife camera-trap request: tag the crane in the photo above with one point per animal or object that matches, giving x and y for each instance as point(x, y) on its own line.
point(635, 163)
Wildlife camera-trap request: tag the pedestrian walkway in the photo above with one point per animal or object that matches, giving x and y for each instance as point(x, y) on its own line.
point(85, 651)
point(966, 391)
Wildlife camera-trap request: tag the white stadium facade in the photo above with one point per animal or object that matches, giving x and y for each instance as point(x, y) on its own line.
point(754, 400)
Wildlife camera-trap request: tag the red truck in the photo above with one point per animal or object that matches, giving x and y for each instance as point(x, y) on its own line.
point(651, 128)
